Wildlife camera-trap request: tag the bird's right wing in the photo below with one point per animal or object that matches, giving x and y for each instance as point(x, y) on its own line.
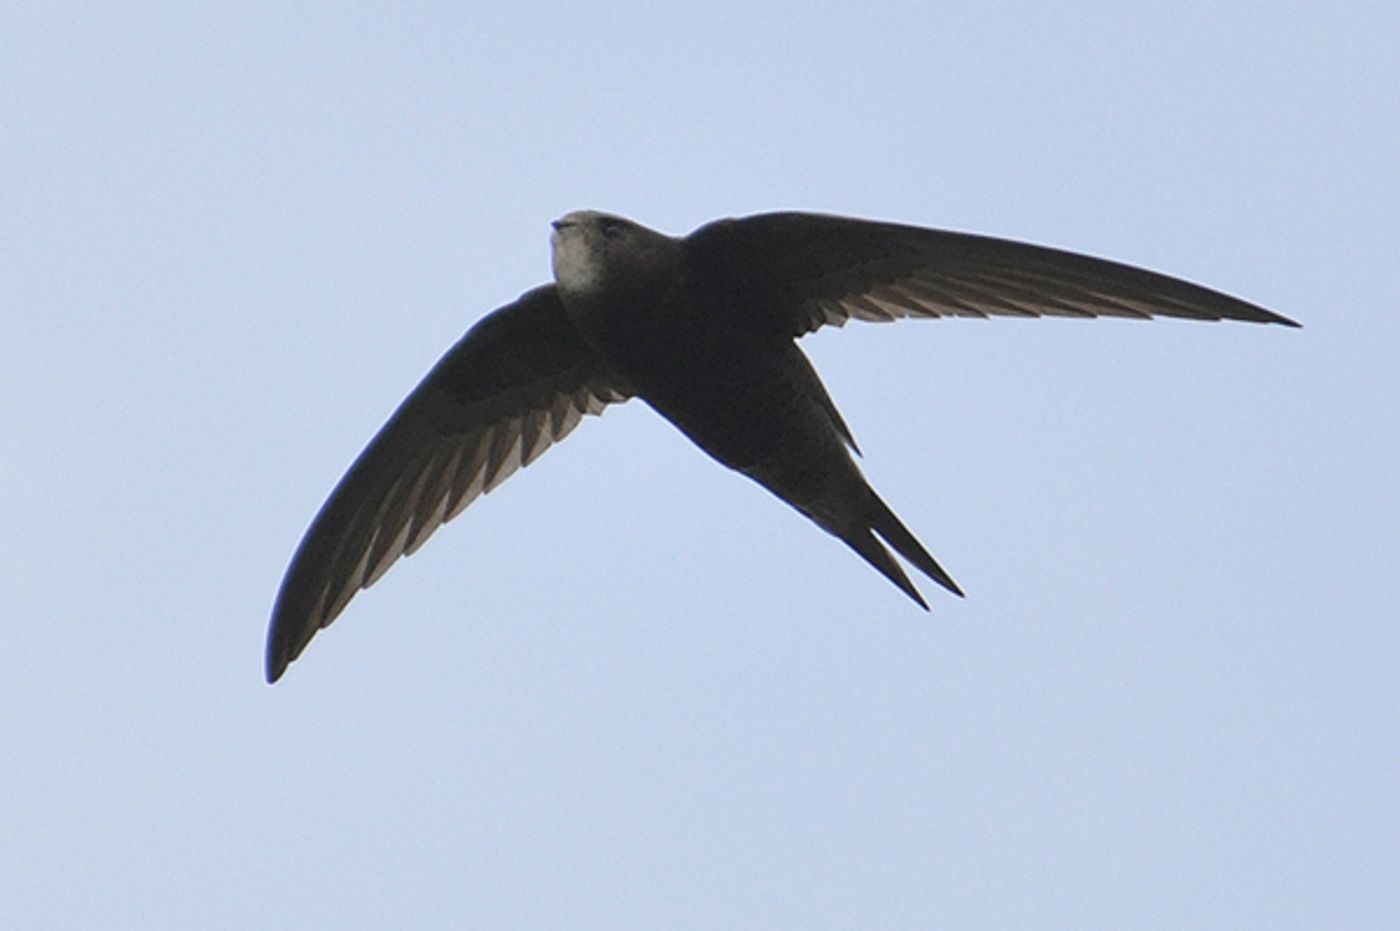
point(519, 380)
point(789, 273)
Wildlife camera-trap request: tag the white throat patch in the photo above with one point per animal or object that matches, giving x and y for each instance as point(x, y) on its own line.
point(578, 264)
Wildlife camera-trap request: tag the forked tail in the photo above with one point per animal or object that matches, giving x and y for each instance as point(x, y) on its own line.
point(881, 520)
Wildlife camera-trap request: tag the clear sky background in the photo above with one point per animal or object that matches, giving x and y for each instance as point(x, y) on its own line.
point(630, 689)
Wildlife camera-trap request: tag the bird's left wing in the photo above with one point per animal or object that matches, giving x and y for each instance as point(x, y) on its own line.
point(519, 380)
point(790, 273)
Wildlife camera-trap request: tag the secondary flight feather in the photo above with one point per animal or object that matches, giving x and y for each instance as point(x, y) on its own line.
point(703, 329)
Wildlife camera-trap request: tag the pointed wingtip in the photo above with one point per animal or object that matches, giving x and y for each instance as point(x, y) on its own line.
point(277, 658)
point(273, 669)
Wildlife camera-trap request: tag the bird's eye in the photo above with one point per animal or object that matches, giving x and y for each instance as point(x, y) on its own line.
point(611, 228)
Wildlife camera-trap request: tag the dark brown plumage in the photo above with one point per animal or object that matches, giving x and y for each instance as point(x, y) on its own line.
point(703, 329)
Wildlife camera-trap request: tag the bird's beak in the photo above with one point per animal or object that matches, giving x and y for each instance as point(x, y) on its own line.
point(562, 223)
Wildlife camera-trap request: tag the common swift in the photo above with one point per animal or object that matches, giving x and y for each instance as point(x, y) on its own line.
point(703, 329)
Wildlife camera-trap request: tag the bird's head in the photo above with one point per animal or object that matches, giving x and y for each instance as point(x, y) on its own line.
point(596, 253)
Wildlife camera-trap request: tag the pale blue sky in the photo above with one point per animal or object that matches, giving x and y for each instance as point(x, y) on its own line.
point(630, 689)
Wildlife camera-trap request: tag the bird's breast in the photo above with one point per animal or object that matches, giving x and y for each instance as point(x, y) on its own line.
point(641, 332)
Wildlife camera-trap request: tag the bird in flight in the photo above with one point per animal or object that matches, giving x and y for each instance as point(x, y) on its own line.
point(702, 328)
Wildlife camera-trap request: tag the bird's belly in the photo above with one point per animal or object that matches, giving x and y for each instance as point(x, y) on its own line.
point(745, 409)
point(754, 406)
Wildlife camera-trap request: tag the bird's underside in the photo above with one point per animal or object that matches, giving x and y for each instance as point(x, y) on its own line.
point(702, 328)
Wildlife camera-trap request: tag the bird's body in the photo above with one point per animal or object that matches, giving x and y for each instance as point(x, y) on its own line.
point(702, 329)
point(749, 399)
